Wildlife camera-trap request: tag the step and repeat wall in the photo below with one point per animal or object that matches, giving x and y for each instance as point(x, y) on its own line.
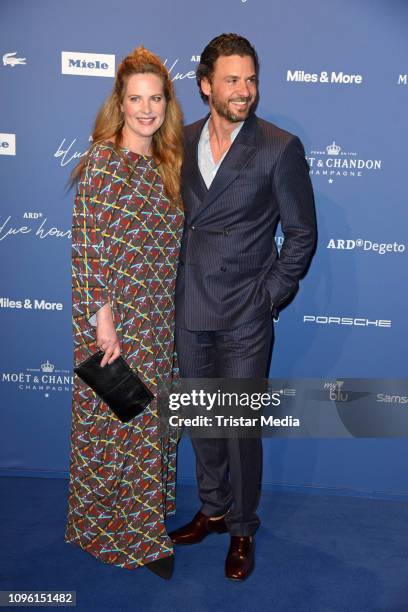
point(335, 74)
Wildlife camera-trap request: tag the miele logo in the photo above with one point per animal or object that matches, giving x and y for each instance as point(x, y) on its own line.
point(357, 321)
point(340, 78)
point(7, 144)
point(87, 64)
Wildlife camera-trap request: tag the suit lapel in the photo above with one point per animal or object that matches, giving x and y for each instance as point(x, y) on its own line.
point(238, 155)
point(191, 171)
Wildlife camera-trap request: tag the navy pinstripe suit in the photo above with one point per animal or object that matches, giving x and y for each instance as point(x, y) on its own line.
point(230, 277)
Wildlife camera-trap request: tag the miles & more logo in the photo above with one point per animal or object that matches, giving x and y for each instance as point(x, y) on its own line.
point(325, 77)
point(87, 64)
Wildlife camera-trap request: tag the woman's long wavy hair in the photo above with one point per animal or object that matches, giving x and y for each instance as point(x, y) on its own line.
point(167, 143)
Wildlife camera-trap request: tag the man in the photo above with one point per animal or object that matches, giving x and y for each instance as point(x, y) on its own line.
point(241, 175)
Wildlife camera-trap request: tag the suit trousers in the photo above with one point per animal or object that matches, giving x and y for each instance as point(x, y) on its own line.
point(229, 471)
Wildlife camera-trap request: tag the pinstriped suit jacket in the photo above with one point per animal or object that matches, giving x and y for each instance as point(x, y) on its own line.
point(229, 270)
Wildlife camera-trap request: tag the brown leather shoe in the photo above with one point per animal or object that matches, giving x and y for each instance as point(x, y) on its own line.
point(199, 528)
point(240, 560)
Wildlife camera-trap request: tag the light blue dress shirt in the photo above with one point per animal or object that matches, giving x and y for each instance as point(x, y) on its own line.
point(206, 163)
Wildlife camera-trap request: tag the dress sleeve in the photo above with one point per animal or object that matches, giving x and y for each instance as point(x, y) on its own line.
point(89, 263)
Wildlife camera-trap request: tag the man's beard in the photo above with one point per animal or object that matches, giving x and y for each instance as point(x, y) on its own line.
point(224, 111)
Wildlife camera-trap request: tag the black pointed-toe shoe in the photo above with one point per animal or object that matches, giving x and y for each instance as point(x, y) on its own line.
point(162, 567)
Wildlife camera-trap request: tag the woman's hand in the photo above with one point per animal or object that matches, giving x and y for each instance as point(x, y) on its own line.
point(106, 337)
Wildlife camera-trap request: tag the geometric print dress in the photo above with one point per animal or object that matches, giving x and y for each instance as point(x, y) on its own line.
point(125, 246)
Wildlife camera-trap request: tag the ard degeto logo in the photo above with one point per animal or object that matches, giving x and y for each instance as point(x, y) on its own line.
point(332, 162)
point(87, 64)
point(10, 59)
point(378, 248)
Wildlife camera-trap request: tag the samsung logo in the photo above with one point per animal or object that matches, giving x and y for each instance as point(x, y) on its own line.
point(87, 64)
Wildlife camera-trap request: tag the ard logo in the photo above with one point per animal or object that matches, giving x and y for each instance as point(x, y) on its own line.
point(32, 215)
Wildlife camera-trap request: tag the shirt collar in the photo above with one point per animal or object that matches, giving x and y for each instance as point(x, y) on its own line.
point(206, 131)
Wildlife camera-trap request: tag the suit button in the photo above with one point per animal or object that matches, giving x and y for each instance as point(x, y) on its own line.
point(226, 232)
point(192, 227)
point(223, 269)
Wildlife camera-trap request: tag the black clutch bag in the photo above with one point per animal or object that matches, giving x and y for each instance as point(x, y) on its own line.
point(117, 385)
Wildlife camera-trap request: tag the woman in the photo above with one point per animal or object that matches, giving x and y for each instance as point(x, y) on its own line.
point(127, 227)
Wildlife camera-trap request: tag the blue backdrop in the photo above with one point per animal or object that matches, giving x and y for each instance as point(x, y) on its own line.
point(334, 73)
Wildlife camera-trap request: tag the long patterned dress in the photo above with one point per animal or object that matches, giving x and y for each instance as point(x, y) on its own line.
point(126, 237)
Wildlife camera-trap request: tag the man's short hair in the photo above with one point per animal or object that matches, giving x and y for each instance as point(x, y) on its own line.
point(224, 44)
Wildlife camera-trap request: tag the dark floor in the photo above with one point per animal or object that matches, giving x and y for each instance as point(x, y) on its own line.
point(314, 553)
